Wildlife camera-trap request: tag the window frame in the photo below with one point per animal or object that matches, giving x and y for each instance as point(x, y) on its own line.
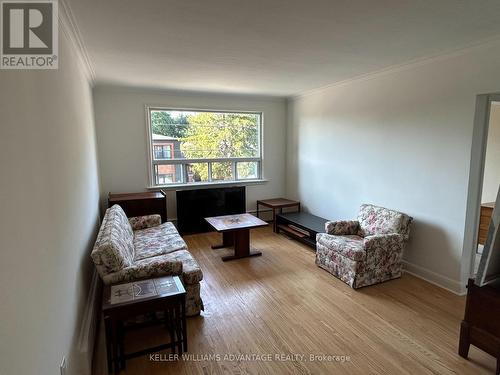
point(184, 162)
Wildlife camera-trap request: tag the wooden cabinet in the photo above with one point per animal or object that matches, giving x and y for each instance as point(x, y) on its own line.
point(139, 204)
point(481, 326)
point(484, 221)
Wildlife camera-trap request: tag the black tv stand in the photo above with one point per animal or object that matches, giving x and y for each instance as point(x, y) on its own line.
point(301, 226)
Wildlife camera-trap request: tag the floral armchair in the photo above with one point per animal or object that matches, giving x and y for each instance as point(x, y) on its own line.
point(365, 251)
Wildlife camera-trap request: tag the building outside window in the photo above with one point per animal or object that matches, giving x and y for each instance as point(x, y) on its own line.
point(163, 151)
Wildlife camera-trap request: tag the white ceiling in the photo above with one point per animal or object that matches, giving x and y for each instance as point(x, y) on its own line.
point(272, 47)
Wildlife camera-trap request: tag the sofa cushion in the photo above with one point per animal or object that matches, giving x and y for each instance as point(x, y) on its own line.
point(191, 271)
point(158, 240)
point(380, 220)
point(114, 249)
point(350, 246)
point(145, 221)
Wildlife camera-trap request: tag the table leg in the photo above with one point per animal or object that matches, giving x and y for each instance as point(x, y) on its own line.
point(257, 210)
point(241, 246)
point(274, 221)
point(114, 343)
point(121, 343)
point(109, 346)
point(464, 343)
point(184, 326)
point(227, 240)
point(170, 326)
point(178, 328)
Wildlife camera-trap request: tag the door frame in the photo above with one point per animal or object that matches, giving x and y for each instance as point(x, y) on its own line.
point(475, 188)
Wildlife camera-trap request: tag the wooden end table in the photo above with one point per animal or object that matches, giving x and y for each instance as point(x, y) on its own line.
point(235, 231)
point(124, 302)
point(275, 204)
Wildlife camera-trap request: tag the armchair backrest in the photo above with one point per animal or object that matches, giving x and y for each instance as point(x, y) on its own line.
point(114, 247)
point(379, 220)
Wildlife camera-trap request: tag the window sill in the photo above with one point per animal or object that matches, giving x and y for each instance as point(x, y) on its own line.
point(202, 185)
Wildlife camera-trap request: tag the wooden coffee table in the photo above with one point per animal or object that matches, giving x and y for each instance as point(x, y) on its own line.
point(235, 231)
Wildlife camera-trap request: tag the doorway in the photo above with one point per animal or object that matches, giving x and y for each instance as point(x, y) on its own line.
point(484, 180)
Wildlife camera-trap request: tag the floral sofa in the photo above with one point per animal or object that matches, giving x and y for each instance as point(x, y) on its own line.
point(141, 247)
point(365, 251)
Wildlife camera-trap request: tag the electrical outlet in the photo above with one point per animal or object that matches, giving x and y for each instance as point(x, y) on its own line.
point(63, 366)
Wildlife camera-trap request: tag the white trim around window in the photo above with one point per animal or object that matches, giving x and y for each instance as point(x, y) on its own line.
point(184, 163)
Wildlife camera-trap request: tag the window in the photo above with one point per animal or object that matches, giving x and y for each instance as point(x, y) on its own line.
point(196, 146)
point(162, 151)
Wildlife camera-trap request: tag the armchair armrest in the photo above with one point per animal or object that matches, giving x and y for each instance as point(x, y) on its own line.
point(144, 269)
point(142, 222)
point(342, 227)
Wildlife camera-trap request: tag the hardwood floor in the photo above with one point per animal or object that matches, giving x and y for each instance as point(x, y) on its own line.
point(282, 304)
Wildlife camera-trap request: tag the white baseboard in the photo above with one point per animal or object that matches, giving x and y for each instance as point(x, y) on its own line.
point(432, 277)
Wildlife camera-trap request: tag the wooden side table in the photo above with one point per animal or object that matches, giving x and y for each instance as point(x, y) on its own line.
point(140, 204)
point(124, 302)
point(277, 204)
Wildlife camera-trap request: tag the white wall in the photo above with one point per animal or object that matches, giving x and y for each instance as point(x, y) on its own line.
point(49, 215)
point(400, 139)
point(491, 179)
point(121, 137)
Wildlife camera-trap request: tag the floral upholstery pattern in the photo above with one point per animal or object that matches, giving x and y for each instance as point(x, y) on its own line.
point(142, 222)
point(122, 254)
point(365, 259)
point(379, 220)
point(191, 271)
point(194, 303)
point(342, 227)
point(114, 247)
point(350, 246)
point(335, 263)
point(159, 240)
point(145, 269)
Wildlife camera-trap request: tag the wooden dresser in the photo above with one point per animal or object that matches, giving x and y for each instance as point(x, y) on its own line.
point(481, 326)
point(139, 204)
point(484, 221)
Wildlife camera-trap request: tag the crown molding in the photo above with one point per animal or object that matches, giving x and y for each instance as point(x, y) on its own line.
point(412, 64)
point(70, 28)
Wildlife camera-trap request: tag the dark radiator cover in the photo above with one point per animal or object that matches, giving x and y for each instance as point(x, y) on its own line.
point(193, 206)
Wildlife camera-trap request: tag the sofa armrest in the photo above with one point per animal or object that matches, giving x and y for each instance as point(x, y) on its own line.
point(391, 242)
point(342, 227)
point(142, 222)
point(145, 269)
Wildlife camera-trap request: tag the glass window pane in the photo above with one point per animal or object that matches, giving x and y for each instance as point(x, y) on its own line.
point(197, 172)
point(247, 170)
point(201, 135)
point(168, 174)
point(222, 171)
point(198, 134)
